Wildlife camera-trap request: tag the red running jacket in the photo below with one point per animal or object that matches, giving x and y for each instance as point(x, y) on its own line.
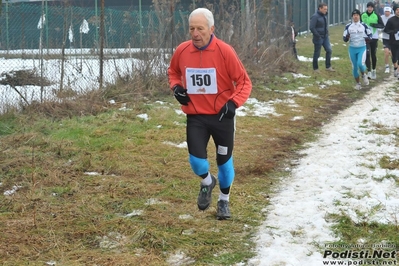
point(212, 76)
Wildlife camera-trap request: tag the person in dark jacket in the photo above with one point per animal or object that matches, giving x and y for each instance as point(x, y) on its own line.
point(319, 28)
point(374, 21)
point(392, 28)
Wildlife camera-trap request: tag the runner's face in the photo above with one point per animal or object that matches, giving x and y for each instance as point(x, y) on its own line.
point(370, 9)
point(397, 12)
point(356, 17)
point(323, 9)
point(387, 13)
point(200, 31)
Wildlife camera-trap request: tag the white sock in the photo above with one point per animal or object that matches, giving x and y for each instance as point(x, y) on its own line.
point(207, 180)
point(225, 197)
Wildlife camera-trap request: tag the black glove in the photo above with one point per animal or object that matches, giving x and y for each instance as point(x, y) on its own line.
point(180, 94)
point(228, 110)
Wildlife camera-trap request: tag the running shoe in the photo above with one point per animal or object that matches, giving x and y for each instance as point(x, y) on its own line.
point(373, 74)
point(223, 210)
point(358, 86)
point(386, 69)
point(205, 195)
point(365, 79)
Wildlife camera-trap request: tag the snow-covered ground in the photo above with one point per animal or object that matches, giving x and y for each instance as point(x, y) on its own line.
point(81, 69)
point(338, 174)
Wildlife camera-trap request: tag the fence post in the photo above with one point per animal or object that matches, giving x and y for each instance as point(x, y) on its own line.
point(47, 43)
point(242, 17)
point(96, 23)
point(102, 34)
point(41, 53)
point(141, 25)
point(172, 24)
point(8, 40)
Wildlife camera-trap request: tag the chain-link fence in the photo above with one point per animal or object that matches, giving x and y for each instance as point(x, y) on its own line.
point(56, 46)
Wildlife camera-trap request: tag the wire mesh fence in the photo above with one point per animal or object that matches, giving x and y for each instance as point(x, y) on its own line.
point(53, 47)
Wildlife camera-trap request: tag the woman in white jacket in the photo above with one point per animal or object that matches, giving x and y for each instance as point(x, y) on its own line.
point(357, 33)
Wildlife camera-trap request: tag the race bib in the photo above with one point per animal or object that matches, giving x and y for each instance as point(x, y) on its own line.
point(201, 81)
point(397, 36)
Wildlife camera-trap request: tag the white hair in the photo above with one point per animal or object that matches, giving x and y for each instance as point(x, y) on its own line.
point(206, 12)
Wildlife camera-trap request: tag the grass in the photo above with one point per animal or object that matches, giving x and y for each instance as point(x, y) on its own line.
point(108, 189)
point(365, 235)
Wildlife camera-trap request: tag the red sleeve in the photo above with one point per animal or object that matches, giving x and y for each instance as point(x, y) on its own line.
point(239, 75)
point(174, 72)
